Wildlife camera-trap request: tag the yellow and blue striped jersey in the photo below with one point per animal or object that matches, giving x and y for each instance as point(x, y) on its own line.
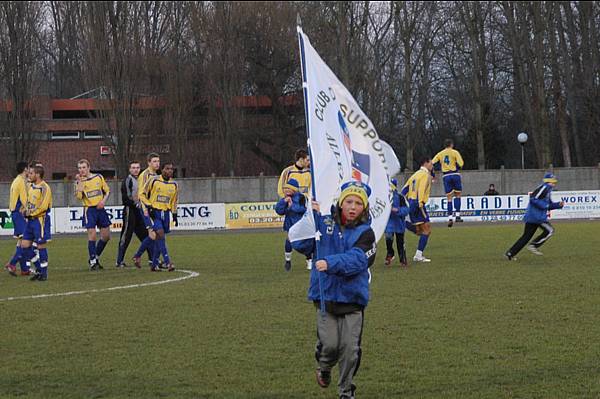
point(418, 186)
point(302, 176)
point(39, 200)
point(161, 194)
point(94, 190)
point(18, 193)
point(450, 160)
point(143, 179)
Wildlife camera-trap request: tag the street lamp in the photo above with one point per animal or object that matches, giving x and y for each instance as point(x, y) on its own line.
point(522, 139)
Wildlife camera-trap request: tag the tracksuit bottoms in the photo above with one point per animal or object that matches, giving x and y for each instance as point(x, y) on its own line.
point(338, 342)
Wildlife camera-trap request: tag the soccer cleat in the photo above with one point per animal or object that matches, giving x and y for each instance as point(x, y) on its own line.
point(389, 259)
point(42, 278)
point(459, 219)
point(27, 273)
point(287, 266)
point(533, 249)
point(323, 378)
point(35, 276)
point(120, 265)
point(450, 222)
point(93, 265)
point(421, 259)
point(98, 265)
point(403, 263)
point(170, 267)
point(308, 264)
point(155, 269)
point(163, 266)
point(11, 269)
point(137, 261)
point(509, 256)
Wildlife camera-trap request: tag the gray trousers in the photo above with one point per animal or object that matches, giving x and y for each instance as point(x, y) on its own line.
point(338, 341)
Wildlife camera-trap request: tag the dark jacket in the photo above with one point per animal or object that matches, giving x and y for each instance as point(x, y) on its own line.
point(540, 202)
point(129, 188)
point(292, 213)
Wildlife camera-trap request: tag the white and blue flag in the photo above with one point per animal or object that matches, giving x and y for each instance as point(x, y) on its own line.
point(343, 143)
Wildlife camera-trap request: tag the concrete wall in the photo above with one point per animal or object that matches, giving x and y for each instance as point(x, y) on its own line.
point(264, 188)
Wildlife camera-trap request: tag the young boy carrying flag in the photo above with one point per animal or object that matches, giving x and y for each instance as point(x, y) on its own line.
point(346, 251)
point(396, 226)
point(536, 216)
point(293, 206)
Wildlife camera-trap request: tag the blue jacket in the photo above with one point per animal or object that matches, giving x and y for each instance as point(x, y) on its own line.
point(292, 213)
point(349, 252)
point(396, 222)
point(539, 205)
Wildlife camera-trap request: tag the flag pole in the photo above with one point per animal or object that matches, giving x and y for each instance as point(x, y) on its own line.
point(312, 173)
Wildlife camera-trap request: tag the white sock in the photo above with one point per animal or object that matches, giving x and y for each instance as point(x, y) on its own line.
point(288, 256)
point(419, 254)
point(457, 214)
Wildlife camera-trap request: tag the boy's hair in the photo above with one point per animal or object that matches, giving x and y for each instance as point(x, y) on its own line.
point(448, 143)
point(424, 160)
point(300, 154)
point(39, 170)
point(167, 163)
point(35, 162)
point(132, 162)
point(83, 161)
point(21, 166)
point(152, 155)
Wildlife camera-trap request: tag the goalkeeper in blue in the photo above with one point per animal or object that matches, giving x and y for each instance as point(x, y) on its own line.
point(536, 216)
point(293, 206)
point(396, 226)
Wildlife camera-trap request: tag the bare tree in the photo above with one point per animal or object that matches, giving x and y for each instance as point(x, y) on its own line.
point(20, 29)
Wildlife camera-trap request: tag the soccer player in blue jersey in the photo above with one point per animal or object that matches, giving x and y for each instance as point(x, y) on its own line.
point(536, 216)
point(293, 206)
point(18, 201)
point(417, 190)
point(396, 226)
point(37, 230)
point(92, 191)
point(450, 162)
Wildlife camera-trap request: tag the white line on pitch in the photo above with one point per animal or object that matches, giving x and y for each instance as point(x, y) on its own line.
point(189, 274)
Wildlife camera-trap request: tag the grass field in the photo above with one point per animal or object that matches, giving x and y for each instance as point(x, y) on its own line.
point(468, 325)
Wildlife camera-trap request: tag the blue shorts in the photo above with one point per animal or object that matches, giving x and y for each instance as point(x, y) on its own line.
point(38, 230)
point(161, 220)
point(417, 215)
point(452, 183)
point(94, 217)
point(19, 223)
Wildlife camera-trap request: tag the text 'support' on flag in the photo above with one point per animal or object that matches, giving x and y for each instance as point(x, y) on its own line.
point(343, 142)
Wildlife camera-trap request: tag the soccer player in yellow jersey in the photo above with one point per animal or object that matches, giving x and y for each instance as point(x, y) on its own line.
point(18, 200)
point(37, 230)
point(151, 172)
point(160, 202)
point(416, 191)
point(92, 191)
point(450, 161)
point(300, 171)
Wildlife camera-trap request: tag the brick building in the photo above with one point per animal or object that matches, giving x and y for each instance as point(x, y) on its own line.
point(67, 130)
